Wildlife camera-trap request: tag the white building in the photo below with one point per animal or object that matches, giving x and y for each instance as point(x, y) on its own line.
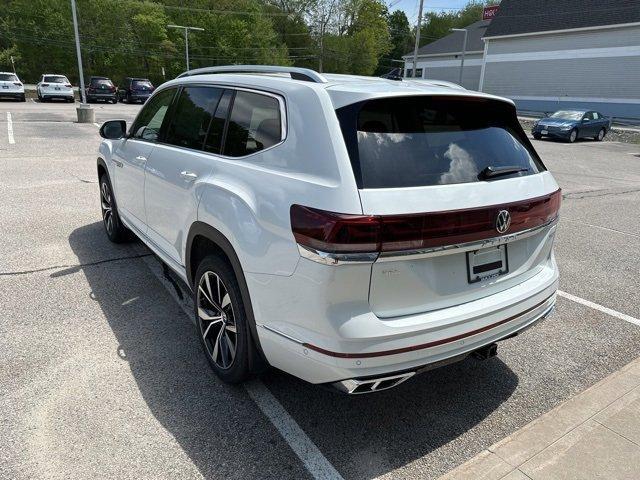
point(582, 54)
point(441, 60)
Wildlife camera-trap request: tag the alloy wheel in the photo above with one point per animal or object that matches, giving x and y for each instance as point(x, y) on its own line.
point(573, 136)
point(107, 206)
point(216, 320)
point(601, 134)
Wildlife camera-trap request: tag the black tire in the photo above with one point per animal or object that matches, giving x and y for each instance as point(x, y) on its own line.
point(537, 136)
point(231, 363)
point(128, 98)
point(573, 136)
point(114, 101)
point(23, 98)
point(113, 226)
point(600, 136)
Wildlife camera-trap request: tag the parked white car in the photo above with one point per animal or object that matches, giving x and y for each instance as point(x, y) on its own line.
point(11, 86)
point(55, 86)
point(348, 230)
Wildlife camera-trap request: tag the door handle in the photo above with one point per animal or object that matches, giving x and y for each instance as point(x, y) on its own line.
point(187, 175)
point(118, 164)
point(141, 158)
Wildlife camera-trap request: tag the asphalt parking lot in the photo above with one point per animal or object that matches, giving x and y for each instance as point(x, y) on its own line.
point(101, 373)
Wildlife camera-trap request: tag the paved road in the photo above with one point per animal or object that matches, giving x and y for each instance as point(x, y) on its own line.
point(101, 374)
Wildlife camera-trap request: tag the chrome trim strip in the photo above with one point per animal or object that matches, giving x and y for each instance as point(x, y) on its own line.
point(326, 258)
point(278, 332)
point(463, 247)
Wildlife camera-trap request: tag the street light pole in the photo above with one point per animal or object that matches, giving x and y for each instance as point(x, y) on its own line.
point(78, 53)
point(464, 49)
point(186, 38)
point(415, 50)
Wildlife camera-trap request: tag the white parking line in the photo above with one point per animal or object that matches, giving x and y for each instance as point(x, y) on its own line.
point(595, 306)
point(10, 128)
point(310, 455)
point(313, 459)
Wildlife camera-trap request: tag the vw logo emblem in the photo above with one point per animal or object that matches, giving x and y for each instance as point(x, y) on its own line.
point(503, 221)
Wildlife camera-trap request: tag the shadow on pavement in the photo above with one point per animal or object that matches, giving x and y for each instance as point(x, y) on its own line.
point(220, 428)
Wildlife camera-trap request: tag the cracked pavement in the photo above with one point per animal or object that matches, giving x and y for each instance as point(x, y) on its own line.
point(101, 374)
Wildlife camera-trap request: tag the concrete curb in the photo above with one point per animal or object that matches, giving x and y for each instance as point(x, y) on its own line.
point(593, 433)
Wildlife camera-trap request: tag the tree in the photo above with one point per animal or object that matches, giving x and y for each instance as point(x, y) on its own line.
point(401, 39)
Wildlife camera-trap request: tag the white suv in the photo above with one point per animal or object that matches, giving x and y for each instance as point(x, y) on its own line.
point(54, 86)
point(11, 86)
point(347, 230)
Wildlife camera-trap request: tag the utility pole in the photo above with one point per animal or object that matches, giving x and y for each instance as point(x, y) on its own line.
point(78, 53)
point(464, 49)
point(13, 64)
point(186, 38)
point(415, 50)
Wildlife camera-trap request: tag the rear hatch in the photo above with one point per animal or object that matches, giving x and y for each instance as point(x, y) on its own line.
point(464, 205)
point(56, 85)
point(141, 87)
point(9, 83)
point(101, 86)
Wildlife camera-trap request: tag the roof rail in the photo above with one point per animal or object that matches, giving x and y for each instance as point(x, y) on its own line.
point(296, 73)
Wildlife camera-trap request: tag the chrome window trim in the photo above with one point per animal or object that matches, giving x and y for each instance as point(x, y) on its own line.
point(464, 247)
point(328, 258)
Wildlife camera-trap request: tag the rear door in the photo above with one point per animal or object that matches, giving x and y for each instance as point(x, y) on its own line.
point(439, 171)
point(180, 162)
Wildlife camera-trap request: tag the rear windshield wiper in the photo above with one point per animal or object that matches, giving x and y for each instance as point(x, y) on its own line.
point(492, 172)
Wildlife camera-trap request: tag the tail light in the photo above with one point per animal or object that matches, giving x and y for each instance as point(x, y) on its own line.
point(339, 233)
point(17, 83)
point(45, 84)
point(68, 85)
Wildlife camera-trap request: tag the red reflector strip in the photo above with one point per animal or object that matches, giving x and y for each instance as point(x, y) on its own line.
point(422, 346)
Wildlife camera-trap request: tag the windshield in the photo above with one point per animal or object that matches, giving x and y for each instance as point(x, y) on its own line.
point(422, 141)
point(567, 115)
point(8, 77)
point(55, 79)
point(141, 84)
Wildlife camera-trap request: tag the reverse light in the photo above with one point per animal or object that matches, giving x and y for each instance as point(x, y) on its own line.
point(332, 232)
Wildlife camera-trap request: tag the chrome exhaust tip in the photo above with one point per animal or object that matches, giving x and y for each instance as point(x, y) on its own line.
point(356, 387)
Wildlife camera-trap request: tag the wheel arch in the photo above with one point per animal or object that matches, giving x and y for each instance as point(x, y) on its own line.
point(101, 167)
point(203, 240)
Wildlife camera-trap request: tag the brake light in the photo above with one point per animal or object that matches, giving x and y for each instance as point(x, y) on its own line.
point(45, 84)
point(339, 233)
point(334, 232)
point(68, 85)
point(17, 83)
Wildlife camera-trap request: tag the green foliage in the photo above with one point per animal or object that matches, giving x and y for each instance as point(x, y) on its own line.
point(130, 37)
point(438, 25)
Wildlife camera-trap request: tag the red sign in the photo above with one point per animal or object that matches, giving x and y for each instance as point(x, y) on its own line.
point(489, 12)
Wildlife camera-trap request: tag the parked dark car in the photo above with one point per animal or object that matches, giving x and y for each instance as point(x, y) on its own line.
point(571, 125)
point(101, 88)
point(135, 90)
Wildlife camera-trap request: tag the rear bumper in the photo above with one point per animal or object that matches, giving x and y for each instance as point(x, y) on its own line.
point(353, 343)
point(6, 94)
point(101, 96)
point(58, 95)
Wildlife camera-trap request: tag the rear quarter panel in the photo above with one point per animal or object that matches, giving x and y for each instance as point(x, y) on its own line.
point(248, 199)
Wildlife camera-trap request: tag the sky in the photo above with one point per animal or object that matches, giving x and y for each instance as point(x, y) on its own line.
point(410, 7)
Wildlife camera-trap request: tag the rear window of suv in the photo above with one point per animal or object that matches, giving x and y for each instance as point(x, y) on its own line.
point(55, 79)
point(8, 77)
point(97, 82)
point(429, 140)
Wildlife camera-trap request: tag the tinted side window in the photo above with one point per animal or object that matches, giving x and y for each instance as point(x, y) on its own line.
point(147, 125)
point(596, 115)
point(213, 144)
point(255, 124)
point(192, 116)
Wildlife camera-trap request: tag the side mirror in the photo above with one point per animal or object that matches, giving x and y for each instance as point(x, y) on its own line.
point(113, 129)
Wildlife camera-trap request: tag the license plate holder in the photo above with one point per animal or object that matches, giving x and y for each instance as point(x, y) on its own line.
point(487, 263)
